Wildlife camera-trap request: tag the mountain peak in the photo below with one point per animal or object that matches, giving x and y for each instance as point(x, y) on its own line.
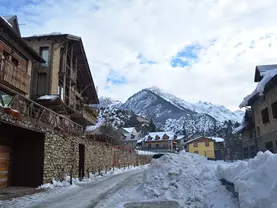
point(109, 102)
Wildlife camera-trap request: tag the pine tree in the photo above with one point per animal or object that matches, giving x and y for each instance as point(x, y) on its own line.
point(152, 127)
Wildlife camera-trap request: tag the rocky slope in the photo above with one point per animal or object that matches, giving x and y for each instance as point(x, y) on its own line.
point(171, 113)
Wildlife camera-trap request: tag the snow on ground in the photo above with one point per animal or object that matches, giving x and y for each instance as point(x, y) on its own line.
point(187, 178)
point(144, 152)
point(255, 180)
point(81, 192)
point(91, 178)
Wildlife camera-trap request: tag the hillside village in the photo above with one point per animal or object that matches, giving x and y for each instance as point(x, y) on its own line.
point(53, 124)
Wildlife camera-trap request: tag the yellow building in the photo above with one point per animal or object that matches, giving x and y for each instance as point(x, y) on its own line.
point(201, 145)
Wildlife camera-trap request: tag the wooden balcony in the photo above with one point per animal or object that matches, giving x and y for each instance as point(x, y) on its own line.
point(37, 116)
point(14, 77)
point(85, 116)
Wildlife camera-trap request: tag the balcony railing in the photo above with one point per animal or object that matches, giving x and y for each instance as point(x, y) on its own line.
point(38, 115)
point(85, 115)
point(12, 75)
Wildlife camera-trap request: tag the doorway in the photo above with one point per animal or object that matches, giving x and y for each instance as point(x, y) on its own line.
point(81, 160)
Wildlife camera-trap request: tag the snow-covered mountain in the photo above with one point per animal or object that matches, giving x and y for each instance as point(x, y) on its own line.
point(109, 102)
point(161, 106)
point(171, 113)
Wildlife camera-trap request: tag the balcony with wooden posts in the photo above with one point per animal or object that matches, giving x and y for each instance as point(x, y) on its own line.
point(85, 115)
point(26, 111)
point(14, 77)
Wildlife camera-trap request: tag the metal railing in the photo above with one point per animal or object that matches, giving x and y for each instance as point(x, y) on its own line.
point(15, 77)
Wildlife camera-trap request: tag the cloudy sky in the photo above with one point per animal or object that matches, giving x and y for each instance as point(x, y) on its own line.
point(196, 49)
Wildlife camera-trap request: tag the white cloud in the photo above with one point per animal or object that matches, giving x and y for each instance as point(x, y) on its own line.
point(114, 32)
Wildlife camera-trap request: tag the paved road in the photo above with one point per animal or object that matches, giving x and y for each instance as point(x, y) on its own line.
point(88, 195)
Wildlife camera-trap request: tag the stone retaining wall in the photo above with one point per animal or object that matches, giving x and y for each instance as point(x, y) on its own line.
point(62, 157)
point(61, 153)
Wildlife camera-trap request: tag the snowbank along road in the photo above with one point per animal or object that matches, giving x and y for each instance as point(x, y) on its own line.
point(187, 179)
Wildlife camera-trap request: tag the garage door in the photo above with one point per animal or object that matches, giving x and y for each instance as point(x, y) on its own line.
point(4, 166)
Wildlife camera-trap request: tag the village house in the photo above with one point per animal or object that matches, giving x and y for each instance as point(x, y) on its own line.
point(203, 146)
point(159, 141)
point(129, 137)
point(259, 128)
point(64, 82)
point(36, 143)
point(248, 135)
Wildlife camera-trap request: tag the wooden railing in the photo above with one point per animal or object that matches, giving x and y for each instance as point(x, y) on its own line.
point(90, 114)
point(39, 115)
point(15, 77)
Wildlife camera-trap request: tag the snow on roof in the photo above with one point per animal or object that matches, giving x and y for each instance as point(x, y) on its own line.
point(47, 34)
point(267, 76)
point(99, 123)
point(5, 20)
point(159, 134)
point(129, 130)
point(139, 141)
point(48, 97)
point(180, 137)
point(217, 139)
point(196, 138)
point(239, 129)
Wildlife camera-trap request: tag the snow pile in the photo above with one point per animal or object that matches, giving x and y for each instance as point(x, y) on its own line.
point(255, 180)
point(181, 177)
point(267, 76)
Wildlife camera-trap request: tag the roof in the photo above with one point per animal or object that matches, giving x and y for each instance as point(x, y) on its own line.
point(48, 97)
point(180, 137)
point(53, 102)
point(94, 129)
point(217, 139)
point(268, 80)
point(170, 134)
point(261, 69)
point(84, 75)
point(200, 137)
point(14, 35)
point(130, 129)
point(245, 122)
point(239, 129)
point(12, 20)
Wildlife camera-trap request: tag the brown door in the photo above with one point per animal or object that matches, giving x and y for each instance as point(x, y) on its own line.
point(4, 166)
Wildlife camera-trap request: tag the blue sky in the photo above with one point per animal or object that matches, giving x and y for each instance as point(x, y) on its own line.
point(187, 56)
point(136, 44)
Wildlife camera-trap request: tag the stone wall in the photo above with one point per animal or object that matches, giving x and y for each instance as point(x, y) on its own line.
point(61, 153)
point(62, 157)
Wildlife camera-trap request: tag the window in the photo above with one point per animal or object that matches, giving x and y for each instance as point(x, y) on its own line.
point(41, 84)
point(149, 145)
point(157, 145)
point(44, 53)
point(274, 109)
point(195, 152)
point(265, 115)
point(195, 144)
point(14, 61)
point(207, 143)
